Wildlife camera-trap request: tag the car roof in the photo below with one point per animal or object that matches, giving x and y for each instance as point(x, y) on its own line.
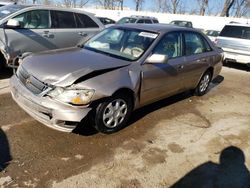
point(155, 27)
point(181, 21)
point(238, 24)
point(140, 17)
point(49, 7)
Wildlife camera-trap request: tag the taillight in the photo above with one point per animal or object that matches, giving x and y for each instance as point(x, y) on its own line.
point(216, 41)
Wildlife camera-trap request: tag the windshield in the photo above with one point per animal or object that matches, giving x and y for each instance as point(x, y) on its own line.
point(126, 20)
point(128, 44)
point(9, 9)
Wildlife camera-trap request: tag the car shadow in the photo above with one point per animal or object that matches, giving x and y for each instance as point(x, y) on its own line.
point(238, 66)
point(6, 73)
point(230, 172)
point(86, 129)
point(5, 156)
point(218, 80)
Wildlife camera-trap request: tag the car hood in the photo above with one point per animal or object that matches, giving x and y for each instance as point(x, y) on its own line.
point(66, 66)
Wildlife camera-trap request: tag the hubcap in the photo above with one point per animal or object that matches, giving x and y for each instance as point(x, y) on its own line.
point(115, 113)
point(204, 83)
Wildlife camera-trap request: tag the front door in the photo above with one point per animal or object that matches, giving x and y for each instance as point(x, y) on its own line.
point(164, 79)
point(31, 36)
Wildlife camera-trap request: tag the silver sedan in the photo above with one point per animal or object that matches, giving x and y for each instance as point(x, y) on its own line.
point(117, 71)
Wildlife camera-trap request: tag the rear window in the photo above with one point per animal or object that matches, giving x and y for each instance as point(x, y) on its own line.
point(236, 32)
point(84, 21)
point(63, 19)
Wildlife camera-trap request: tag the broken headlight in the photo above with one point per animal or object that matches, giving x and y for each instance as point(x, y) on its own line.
point(72, 96)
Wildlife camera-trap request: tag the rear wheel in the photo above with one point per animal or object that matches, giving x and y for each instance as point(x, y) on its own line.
point(113, 114)
point(202, 87)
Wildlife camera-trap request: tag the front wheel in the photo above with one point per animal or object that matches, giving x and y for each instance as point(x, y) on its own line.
point(112, 114)
point(202, 87)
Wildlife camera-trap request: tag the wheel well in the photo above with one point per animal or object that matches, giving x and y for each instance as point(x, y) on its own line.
point(128, 92)
point(2, 60)
point(211, 70)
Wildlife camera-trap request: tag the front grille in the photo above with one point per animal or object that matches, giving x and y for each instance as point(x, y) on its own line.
point(30, 82)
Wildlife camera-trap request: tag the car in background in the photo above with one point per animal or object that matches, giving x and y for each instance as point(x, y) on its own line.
point(4, 3)
point(25, 29)
point(182, 23)
point(122, 68)
point(212, 34)
point(106, 21)
point(138, 20)
point(234, 39)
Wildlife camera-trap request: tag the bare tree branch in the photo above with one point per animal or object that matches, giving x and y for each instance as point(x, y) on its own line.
point(138, 4)
point(226, 8)
point(203, 5)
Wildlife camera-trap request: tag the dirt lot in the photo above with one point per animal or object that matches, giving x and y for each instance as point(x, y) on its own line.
point(183, 141)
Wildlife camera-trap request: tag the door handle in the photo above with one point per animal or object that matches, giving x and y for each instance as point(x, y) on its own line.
point(201, 60)
point(180, 66)
point(83, 34)
point(47, 34)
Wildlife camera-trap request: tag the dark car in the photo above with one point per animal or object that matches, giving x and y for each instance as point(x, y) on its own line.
point(106, 21)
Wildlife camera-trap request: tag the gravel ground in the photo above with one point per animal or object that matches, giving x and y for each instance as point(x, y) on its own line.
point(182, 141)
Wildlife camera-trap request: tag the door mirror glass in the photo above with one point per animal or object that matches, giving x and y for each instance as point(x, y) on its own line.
point(13, 23)
point(157, 58)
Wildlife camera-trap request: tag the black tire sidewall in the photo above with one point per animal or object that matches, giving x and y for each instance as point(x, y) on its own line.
point(98, 116)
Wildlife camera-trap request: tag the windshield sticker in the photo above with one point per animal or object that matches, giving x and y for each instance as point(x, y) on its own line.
point(5, 12)
point(148, 35)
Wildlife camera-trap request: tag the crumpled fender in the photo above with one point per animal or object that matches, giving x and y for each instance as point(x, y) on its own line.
point(107, 84)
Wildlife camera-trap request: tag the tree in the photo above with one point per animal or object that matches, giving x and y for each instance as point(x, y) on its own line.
point(241, 8)
point(138, 4)
point(228, 4)
point(161, 5)
point(203, 4)
point(111, 4)
point(175, 4)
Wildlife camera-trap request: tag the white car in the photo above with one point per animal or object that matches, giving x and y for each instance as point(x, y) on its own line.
point(234, 39)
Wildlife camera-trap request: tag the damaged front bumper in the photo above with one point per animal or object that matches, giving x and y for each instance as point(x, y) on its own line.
point(53, 114)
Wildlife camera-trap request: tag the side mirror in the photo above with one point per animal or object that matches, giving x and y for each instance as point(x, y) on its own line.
point(157, 58)
point(13, 23)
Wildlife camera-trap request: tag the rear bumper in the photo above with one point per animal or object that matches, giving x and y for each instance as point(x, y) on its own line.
point(51, 113)
point(236, 57)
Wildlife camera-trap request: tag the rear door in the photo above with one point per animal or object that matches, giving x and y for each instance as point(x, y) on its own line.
point(164, 79)
point(86, 27)
point(32, 34)
point(198, 54)
point(64, 28)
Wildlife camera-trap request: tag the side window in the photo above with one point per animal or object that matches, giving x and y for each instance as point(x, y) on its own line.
point(155, 21)
point(140, 21)
point(84, 21)
point(62, 19)
point(195, 44)
point(170, 45)
point(147, 21)
point(35, 19)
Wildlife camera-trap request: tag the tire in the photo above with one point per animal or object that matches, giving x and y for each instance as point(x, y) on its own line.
point(2, 62)
point(203, 85)
point(2, 65)
point(112, 115)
